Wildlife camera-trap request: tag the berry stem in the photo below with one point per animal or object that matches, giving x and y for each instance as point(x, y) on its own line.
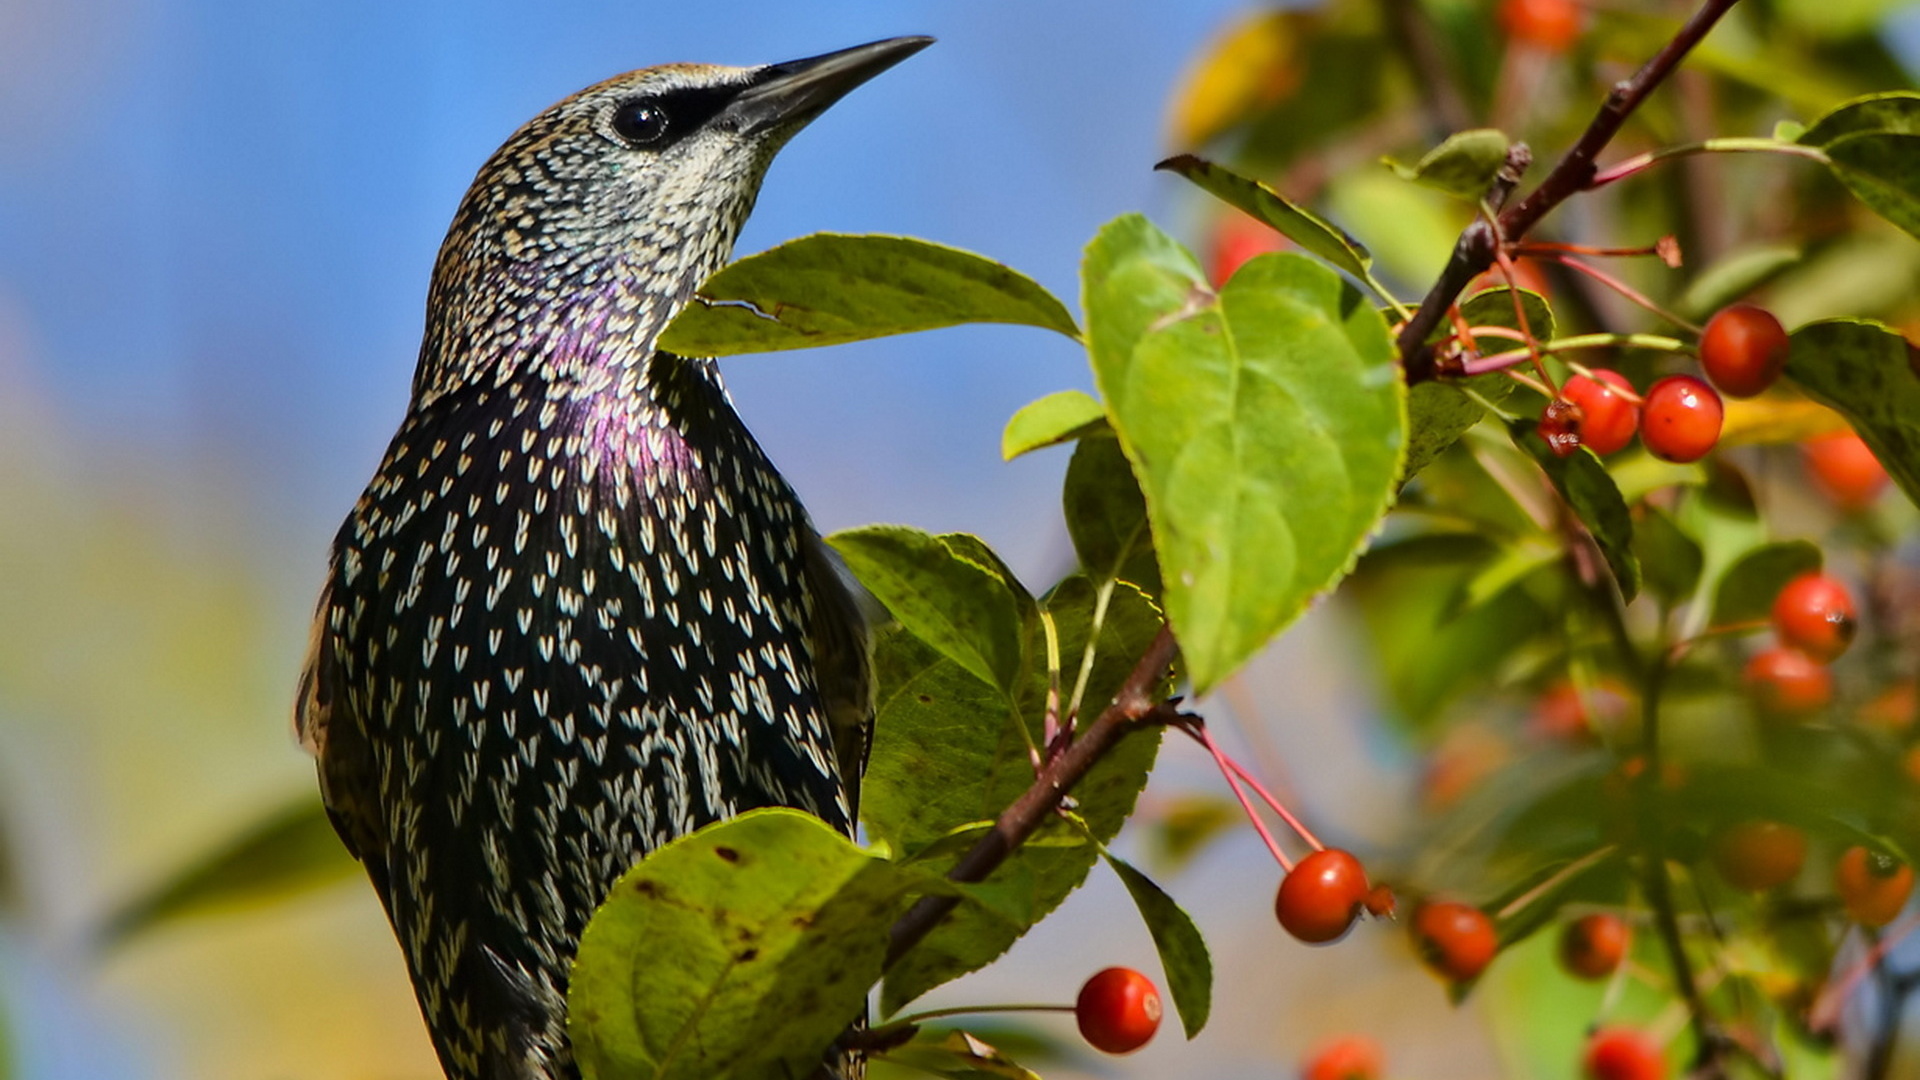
point(1227, 769)
point(1622, 288)
point(965, 1010)
point(1825, 1011)
point(1265, 796)
point(1502, 360)
point(1728, 145)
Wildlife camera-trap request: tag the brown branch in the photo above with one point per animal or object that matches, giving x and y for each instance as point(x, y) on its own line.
point(1135, 702)
point(1474, 251)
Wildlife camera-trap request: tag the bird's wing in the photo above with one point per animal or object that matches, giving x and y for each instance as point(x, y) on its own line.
point(844, 614)
point(325, 724)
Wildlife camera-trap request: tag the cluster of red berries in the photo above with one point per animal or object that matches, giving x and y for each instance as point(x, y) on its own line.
point(1813, 623)
point(1873, 887)
point(1742, 350)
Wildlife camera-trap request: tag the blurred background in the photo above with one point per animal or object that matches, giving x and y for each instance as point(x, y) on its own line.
point(217, 221)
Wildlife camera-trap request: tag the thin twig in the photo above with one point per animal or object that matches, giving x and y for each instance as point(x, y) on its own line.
point(1135, 703)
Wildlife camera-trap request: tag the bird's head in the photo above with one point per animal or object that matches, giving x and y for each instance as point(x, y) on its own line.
point(638, 185)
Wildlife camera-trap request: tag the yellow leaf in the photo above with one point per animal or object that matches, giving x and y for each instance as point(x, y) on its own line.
point(1248, 67)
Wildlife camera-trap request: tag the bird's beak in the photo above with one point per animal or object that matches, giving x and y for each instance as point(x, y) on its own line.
point(790, 94)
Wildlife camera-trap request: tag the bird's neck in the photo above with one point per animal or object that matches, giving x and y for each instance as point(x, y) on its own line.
point(582, 325)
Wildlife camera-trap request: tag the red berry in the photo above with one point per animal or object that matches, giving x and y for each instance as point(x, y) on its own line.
point(1608, 418)
point(1238, 238)
point(1592, 946)
point(1456, 940)
point(1345, 1057)
point(1323, 895)
point(1743, 349)
point(1814, 614)
point(1680, 418)
point(1564, 714)
point(1551, 25)
point(1873, 886)
point(1623, 1054)
point(1756, 855)
point(1560, 427)
point(1892, 710)
point(1787, 683)
point(1118, 1010)
point(1844, 469)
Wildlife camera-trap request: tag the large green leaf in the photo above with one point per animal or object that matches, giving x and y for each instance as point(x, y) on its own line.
point(966, 611)
point(830, 288)
point(1183, 952)
point(742, 950)
point(950, 749)
point(1868, 373)
point(288, 850)
point(1266, 422)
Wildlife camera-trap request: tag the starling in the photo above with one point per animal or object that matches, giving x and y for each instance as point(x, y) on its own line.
point(577, 613)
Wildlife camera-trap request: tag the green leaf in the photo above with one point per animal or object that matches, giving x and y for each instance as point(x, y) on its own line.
point(1054, 419)
point(741, 950)
point(1183, 952)
point(1495, 307)
point(964, 610)
point(1267, 424)
point(1179, 828)
point(830, 288)
point(950, 749)
point(1868, 373)
point(1670, 561)
point(1463, 166)
point(290, 850)
point(1428, 647)
point(1735, 276)
point(1722, 518)
point(1439, 411)
point(1584, 482)
point(1295, 222)
point(958, 1055)
point(1897, 112)
point(1107, 516)
point(1882, 169)
point(1747, 590)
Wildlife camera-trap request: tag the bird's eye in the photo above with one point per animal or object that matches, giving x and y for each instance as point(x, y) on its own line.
point(641, 123)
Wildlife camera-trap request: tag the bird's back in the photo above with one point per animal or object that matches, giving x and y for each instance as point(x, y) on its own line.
point(567, 632)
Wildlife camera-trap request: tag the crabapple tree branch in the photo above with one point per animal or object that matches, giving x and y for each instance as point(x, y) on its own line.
point(1474, 251)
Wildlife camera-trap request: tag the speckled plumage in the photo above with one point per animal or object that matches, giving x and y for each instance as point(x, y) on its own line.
point(577, 613)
